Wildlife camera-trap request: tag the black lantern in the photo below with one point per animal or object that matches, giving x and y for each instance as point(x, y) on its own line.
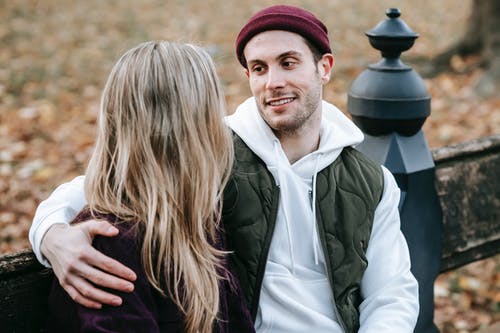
point(390, 96)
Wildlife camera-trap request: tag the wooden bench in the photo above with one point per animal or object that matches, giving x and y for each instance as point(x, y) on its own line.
point(468, 185)
point(467, 181)
point(24, 286)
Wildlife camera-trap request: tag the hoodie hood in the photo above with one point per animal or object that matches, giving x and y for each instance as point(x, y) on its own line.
point(337, 132)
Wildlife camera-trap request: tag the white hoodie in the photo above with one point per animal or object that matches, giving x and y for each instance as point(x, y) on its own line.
point(295, 294)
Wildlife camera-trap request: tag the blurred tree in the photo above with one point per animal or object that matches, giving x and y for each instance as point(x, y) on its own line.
point(482, 38)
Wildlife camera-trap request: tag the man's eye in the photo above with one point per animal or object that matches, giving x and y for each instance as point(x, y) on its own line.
point(288, 64)
point(257, 69)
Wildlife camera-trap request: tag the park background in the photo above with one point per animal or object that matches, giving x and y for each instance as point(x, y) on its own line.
point(55, 56)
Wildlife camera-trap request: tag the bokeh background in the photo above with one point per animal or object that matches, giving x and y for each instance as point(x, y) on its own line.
point(56, 54)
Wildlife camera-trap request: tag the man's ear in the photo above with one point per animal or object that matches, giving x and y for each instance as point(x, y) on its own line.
point(325, 67)
point(246, 72)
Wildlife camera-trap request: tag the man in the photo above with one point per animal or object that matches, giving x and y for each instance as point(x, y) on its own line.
point(313, 224)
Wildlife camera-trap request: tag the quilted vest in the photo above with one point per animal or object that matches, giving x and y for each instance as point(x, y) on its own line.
point(348, 192)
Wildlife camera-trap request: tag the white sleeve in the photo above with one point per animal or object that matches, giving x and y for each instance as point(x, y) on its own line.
point(60, 207)
point(389, 289)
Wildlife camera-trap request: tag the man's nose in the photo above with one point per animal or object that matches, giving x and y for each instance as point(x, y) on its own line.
point(275, 79)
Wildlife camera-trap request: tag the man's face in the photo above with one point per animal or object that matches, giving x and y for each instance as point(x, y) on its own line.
point(286, 81)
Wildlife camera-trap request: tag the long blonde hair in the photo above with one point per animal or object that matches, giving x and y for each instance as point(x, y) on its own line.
point(162, 157)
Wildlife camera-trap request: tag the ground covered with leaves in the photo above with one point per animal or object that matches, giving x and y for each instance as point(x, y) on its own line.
point(55, 56)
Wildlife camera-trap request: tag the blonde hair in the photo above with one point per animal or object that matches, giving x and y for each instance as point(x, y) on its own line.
point(162, 157)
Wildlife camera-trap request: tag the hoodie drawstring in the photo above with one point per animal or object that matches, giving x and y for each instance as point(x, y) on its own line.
point(315, 240)
point(283, 199)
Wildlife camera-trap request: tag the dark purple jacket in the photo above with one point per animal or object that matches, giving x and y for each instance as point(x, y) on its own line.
point(143, 310)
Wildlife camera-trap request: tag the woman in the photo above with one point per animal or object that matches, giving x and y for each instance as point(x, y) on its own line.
point(162, 158)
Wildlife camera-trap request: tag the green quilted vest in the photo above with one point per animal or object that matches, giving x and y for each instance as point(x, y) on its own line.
point(347, 192)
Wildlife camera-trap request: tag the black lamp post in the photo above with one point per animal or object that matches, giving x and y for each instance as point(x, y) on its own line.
point(390, 103)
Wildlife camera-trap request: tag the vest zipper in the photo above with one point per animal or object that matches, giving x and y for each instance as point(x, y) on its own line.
point(328, 266)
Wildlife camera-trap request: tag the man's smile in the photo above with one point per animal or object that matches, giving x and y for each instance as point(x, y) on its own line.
point(280, 101)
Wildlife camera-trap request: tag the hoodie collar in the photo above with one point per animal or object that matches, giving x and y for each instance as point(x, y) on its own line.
point(337, 131)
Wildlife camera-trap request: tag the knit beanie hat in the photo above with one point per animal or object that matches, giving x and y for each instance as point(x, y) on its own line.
point(288, 18)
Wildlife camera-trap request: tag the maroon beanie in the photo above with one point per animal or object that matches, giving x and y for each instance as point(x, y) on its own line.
point(288, 18)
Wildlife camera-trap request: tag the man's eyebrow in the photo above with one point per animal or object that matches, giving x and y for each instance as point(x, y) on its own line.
point(283, 55)
point(289, 54)
point(254, 62)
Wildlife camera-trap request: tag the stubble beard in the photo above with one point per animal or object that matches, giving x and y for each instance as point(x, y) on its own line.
point(299, 119)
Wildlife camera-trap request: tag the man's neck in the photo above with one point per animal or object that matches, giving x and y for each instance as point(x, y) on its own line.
point(298, 144)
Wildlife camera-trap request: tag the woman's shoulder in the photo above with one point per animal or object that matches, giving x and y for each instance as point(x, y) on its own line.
point(127, 228)
point(125, 246)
